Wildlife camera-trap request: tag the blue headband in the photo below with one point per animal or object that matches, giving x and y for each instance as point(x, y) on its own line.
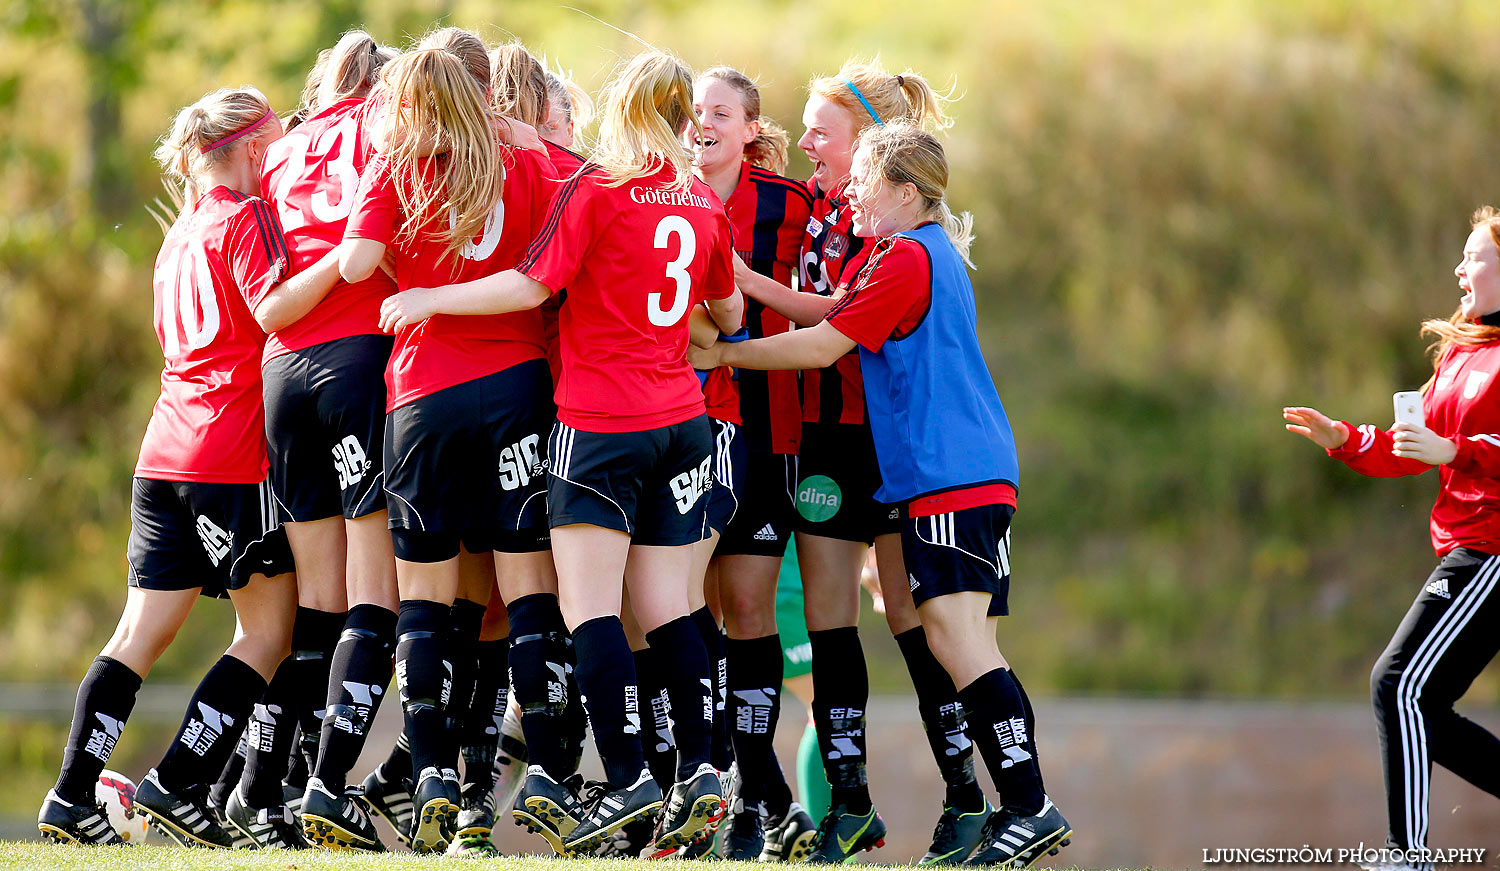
point(863, 101)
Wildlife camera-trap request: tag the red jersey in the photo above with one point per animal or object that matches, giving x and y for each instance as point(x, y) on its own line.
point(566, 163)
point(445, 350)
point(634, 258)
point(768, 214)
point(1463, 404)
point(310, 175)
point(831, 258)
point(209, 424)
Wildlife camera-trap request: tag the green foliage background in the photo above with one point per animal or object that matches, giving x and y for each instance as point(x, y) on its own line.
point(1189, 216)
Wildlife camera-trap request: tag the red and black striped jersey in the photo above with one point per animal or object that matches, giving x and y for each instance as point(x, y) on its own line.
point(768, 214)
point(831, 257)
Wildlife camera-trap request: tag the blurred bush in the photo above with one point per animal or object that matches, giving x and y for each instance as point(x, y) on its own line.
point(1189, 216)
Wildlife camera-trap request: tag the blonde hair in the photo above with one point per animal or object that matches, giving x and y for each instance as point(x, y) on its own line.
point(187, 151)
point(646, 106)
point(1457, 329)
point(467, 48)
point(771, 146)
point(580, 106)
point(902, 152)
point(902, 97)
point(518, 84)
point(349, 69)
point(436, 108)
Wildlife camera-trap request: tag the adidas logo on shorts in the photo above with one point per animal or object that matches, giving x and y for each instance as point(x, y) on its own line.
point(766, 534)
point(1439, 588)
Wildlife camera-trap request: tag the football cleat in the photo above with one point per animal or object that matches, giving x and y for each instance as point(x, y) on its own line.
point(548, 808)
point(68, 823)
point(262, 828)
point(956, 836)
point(742, 835)
point(842, 834)
point(790, 838)
point(476, 813)
point(337, 822)
point(1014, 840)
point(606, 810)
point(629, 841)
point(436, 803)
point(184, 817)
point(690, 808)
point(391, 800)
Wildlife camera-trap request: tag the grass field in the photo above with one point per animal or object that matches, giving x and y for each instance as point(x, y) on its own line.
point(46, 857)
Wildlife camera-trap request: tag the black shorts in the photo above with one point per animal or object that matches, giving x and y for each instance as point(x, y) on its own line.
point(837, 480)
point(763, 525)
point(731, 462)
point(188, 534)
point(466, 464)
point(325, 428)
point(650, 485)
point(959, 552)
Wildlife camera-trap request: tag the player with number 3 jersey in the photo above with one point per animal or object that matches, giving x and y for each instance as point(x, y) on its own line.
point(637, 241)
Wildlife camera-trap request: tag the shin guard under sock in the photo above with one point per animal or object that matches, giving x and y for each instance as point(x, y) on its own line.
point(755, 673)
point(942, 721)
point(357, 682)
point(211, 727)
point(268, 739)
point(997, 707)
point(606, 679)
point(424, 674)
point(841, 692)
point(656, 721)
point(540, 677)
point(106, 697)
point(684, 667)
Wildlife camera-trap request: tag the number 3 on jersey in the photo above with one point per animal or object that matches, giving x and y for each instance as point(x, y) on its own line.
point(674, 225)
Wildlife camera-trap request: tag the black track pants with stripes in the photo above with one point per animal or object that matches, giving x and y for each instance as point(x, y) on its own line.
point(1447, 638)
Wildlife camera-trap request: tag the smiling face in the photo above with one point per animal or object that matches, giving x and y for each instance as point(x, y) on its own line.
point(1479, 275)
point(828, 142)
point(726, 131)
point(878, 207)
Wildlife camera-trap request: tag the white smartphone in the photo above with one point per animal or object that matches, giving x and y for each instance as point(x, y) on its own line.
point(1409, 407)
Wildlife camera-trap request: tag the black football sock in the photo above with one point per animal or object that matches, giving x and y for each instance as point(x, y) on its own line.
point(942, 721)
point(479, 740)
point(424, 673)
point(315, 635)
point(268, 739)
point(357, 682)
point(755, 673)
point(656, 721)
point(778, 796)
point(540, 677)
point(229, 778)
point(106, 696)
point(606, 680)
point(841, 692)
point(720, 752)
point(463, 636)
point(998, 723)
point(684, 666)
point(215, 718)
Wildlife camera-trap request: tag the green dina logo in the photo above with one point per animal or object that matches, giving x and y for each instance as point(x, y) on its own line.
point(819, 498)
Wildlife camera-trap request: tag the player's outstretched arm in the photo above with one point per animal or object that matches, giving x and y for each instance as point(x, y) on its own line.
point(503, 292)
point(812, 348)
point(287, 302)
point(802, 309)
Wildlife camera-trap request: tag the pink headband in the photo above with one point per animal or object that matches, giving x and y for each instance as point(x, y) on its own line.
point(241, 133)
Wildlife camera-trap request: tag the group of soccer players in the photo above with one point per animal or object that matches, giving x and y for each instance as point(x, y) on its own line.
point(535, 429)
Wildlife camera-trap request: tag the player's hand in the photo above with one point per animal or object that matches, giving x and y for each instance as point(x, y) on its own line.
point(405, 308)
point(705, 358)
point(1422, 444)
point(520, 134)
point(1315, 425)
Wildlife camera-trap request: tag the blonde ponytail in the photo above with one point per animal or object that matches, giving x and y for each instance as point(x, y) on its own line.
point(874, 96)
point(208, 131)
point(901, 152)
point(466, 48)
point(518, 84)
point(349, 69)
point(436, 108)
point(645, 108)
